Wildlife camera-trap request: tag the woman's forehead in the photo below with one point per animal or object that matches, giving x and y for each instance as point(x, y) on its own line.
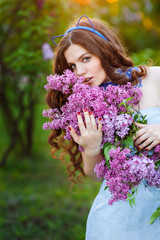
point(74, 52)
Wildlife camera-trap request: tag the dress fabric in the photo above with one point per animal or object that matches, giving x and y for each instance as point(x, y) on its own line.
point(120, 221)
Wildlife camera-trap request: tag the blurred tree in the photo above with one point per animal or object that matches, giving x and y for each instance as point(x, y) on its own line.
point(137, 21)
point(22, 67)
point(83, 2)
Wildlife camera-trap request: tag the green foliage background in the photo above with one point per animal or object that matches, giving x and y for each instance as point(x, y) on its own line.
point(35, 200)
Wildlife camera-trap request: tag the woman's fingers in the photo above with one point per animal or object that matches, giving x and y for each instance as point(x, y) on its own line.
point(145, 144)
point(90, 121)
point(93, 121)
point(152, 145)
point(81, 123)
point(148, 136)
point(140, 125)
point(138, 134)
point(99, 125)
point(141, 138)
point(87, 120)
point(74, 135)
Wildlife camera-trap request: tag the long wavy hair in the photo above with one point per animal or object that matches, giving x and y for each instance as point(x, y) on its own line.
point(112, 55)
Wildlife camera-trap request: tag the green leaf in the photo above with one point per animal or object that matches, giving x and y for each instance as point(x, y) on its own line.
point(122, 103)
point(132, 202)
point(106, 145)
point(128, 142)
point(135, 117)
point(133, 190)
point(116, 139)
point(130, 195)
point(107, 163)
point(157, 162)
point(141, 119)
point(154, 216)
point(106, 154)
point(129, 107)
point(128, 99)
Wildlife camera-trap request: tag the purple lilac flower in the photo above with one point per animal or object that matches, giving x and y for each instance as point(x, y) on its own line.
point(122, 123)
point(100, 168)
point(125, 172)
point(157, 149)
point(47, 52)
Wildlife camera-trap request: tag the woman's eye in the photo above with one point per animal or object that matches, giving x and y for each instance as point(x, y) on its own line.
point(73, 66)
point(86, 59)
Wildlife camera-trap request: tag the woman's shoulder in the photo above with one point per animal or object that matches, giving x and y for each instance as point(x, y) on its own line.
point(151, 88)
point(153, 75)
point(153, 70)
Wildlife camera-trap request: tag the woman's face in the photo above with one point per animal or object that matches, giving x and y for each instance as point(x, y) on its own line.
point(85, 64)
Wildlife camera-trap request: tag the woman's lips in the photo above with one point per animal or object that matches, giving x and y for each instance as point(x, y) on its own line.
point(88, 80)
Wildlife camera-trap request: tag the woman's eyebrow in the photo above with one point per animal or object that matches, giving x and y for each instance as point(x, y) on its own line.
point(82, 55)
point(79, 57)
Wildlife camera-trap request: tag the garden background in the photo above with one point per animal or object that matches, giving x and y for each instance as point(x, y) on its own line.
point(35, 200)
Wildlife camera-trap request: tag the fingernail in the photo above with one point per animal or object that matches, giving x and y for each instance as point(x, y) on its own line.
point(146, 149)
point(78, 113)
point(90, 112)
point(138, 148)
point(99, 118)
point(85, 110)
point(69, 128)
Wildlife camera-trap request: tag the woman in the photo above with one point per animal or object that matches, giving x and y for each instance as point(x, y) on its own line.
point(92, 50)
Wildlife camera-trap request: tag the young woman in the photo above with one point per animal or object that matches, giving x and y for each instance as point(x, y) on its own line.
point(92, 50)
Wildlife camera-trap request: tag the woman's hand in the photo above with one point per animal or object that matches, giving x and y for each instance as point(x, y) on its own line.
point(148, 136)
point(90, 139)
point(91, 133)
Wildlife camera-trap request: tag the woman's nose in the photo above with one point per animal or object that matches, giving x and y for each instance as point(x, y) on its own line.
point(80, 70)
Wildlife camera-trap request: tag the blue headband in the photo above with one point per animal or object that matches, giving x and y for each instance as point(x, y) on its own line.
point(82, 28)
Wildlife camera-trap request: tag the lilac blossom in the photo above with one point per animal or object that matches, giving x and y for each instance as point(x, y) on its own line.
point(47, 52)
point(122, 124)
point(126, 171)
point(101, 168)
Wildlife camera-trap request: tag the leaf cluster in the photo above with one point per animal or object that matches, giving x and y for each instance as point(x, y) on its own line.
point(131, 197)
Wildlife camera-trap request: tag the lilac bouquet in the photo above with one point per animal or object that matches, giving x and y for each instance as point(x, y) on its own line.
point(103, 103)
point(123, 166)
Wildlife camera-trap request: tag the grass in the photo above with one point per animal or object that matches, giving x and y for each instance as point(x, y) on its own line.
point(35, 200)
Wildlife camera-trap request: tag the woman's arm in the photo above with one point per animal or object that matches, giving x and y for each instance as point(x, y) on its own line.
point(90, 139)
point(89, 161)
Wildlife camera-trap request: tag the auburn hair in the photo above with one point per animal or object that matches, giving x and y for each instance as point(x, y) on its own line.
point(112, 55)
